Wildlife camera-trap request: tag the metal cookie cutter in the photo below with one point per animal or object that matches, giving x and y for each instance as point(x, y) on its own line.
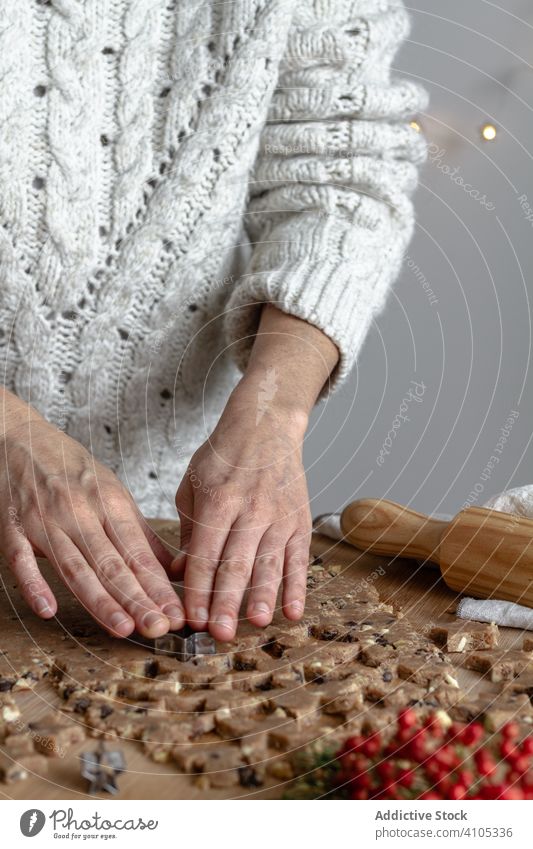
point(101, 769)
point(185, 644)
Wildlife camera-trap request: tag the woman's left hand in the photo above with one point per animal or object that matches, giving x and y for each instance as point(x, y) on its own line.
point(245, 518)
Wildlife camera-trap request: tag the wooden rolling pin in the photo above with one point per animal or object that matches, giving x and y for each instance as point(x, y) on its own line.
point(484, 553)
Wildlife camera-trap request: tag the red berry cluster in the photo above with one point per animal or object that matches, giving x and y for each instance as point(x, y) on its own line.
point(430, 760)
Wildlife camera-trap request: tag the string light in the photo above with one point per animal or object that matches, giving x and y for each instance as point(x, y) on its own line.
point(488, 132)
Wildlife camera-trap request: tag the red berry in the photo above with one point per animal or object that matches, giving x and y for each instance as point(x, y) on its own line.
point(402, 737)
point(510, 730)
point(372, 745)
point(471, 734)
point(354, 764)
point(486, 791)
point(521, 764)
point(407, 718)
point(527, 746)
point(444, 786)
point(364, 781)
point(385, 770)
point(351, 744)
point(508, 749)
point(504, 791)
point(484, 762)
point(406, 778)
point(432, 768)
point(458, 791)
point(389, 787)
point(417, 750)
point(455, 730)
point(447, 757)
point(360, 794)
point(434, 727)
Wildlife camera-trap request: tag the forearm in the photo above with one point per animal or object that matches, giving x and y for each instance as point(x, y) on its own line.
point(290, 362)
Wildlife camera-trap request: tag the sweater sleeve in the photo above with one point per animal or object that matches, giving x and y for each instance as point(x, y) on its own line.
point(329, 213)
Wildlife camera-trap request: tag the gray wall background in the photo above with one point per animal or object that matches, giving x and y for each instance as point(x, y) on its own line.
point(471, 348)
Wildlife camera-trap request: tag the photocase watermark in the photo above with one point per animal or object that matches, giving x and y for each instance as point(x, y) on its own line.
point(181, 450)
point(526, 208)
point(197, 483)
point(65, 824)
point(32, 822)
point(64, 819)
point(492, 462)
point(62, 417)
point(222, 498)
point(43, 743)
point(422, 279)
point(311, 150)
point(267, 390)
point(191, 301)
point(214, 66)
point(14, 518)
point(436, 156)
point(414, 394)
point(366, 583)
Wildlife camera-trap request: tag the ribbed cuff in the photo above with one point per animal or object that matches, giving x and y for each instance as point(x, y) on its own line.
point(335, 297)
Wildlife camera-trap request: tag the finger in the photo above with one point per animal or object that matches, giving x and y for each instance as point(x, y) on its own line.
point(177, 567)
point(163, 555)
point(232, 578)
point(131, 544)
point(118, 580)
point(78, 576)
point(18, 553)
point(203, 557)
point(266, 578)
point(185, 506)
point(295, 574)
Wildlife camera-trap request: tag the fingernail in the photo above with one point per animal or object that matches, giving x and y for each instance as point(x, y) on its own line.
point(152, 619)
point(202, 615)
point(297, 607)
point(225, 622)
point(261, 608)
point(41, 605)
point(119, 622)
point(172, 611)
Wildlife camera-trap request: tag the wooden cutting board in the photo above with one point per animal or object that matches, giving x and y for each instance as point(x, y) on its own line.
point(421, 593)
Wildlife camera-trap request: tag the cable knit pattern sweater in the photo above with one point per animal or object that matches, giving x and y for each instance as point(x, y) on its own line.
point(165, 169)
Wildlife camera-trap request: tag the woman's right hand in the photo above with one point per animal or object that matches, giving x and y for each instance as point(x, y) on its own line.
point(57, 501)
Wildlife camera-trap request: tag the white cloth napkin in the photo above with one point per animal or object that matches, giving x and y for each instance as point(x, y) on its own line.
point(518, 501)
point(501, 612)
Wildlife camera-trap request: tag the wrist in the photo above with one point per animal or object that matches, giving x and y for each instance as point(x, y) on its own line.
point(15, 413)
point(262, 399)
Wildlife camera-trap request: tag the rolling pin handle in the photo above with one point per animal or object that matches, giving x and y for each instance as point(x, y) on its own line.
point(383, 527)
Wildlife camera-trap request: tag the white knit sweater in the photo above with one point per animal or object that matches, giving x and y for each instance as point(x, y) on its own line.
point(166, 167)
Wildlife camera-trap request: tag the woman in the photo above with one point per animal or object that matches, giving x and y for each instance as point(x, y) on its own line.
point(203, 205)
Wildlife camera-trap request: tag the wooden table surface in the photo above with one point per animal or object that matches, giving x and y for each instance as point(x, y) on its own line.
point(420, 593)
